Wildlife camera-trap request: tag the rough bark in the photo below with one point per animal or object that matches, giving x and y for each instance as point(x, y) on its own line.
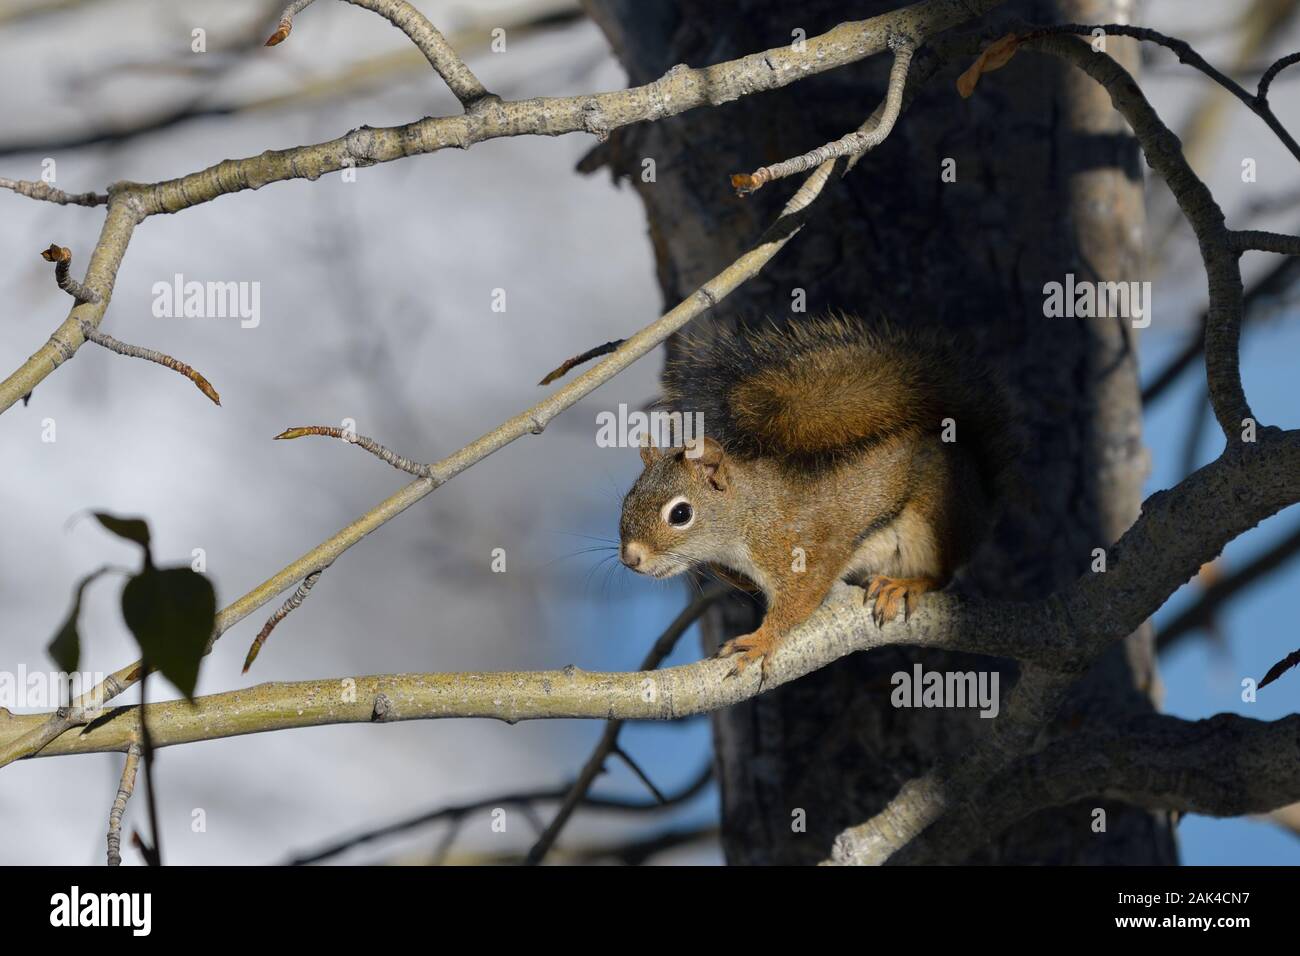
point(1048, 182)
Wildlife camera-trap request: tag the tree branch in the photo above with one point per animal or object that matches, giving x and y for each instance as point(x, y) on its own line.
point(1096, 613)
point(47, 193)
point(1256, 239)
point(1055, 638)
point(124, 790)
point(1224, 766)
point(455, 813)
point(854, 144)
point(608, 743)
point(1273, 283)
point(680, 89)
point(441, 56)
point(1223, 590)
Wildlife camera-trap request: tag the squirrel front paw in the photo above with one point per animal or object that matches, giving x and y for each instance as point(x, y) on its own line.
point(750, 649)
point(892, 593)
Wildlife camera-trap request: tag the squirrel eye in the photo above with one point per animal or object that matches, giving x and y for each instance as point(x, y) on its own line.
point(681, 514)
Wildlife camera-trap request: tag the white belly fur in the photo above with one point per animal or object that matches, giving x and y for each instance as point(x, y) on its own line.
point(905, 548)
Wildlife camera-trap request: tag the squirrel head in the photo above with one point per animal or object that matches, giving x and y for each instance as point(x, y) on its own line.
point(680, 512)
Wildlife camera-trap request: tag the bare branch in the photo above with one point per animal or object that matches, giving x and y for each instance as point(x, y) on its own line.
point(120, 221)
point(1164, 154)
point(369, 444)
point(124, 790)
point(61, 256)
point(854, 144)
point(678, 90)
point(608, 744)
point(1271, 285)
point(1256, 239)
point(440, 54)
point(291, 604)
point(1223, 590)
point(92, 334)
point(47, 193)
point(1257, 103)
point(1241, 767)
point(1056, 639)
point(926, 801)
point(454, 814)
point(532, 421)
point(571, 363)
point(1271, 73)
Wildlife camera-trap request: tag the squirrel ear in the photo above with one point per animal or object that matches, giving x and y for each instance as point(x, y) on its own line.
point(707, 455)
point(649, 453)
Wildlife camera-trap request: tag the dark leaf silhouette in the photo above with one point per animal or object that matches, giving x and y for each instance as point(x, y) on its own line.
point(133, 529)
point(171, 613)
point(65, 649)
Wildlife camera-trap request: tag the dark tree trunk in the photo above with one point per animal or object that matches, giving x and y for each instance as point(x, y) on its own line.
point(1048, 182)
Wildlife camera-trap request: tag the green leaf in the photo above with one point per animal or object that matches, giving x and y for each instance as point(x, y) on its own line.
point(171, 612)
point(133, 529)
point(65, 649)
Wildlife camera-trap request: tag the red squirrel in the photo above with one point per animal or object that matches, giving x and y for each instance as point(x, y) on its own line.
point(831, 451)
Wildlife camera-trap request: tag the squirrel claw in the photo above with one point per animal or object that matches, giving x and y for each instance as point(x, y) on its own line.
point(891, 594)
point(748, 649)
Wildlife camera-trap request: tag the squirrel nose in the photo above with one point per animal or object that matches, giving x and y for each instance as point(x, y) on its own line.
point(633, 554)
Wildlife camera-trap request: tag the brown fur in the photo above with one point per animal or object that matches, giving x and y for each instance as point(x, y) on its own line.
point(824, 462)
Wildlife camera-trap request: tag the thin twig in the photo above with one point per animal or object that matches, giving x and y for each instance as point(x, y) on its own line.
point(854, 144)
point(441, 56)
point(47, 193)
point(569, 364)
point(1225, 589)
point(599, 114)
point(1246, 240)
point(1265, 81)
point(608, 743)
point(637, 771)
point(93, 334)
point(124, 790)
point(1272, 284)
point(61, 256)
point(294, 600)
point(1257, 103)
point(454, 815)
point(361, 441)
point(534, 420)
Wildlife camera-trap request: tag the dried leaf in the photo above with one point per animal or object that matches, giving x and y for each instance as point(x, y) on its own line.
point(995, 56)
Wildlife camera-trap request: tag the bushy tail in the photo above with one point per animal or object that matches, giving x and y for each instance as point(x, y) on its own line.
point(817, 391)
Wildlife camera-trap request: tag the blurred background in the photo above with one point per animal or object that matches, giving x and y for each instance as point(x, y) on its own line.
point(376, 306)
